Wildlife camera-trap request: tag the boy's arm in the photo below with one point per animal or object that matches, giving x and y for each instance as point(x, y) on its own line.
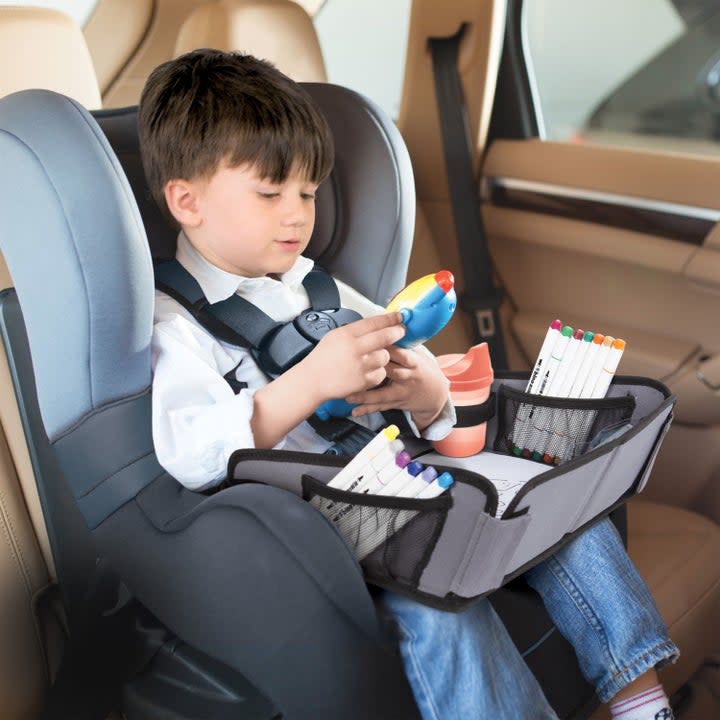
point(348, 359)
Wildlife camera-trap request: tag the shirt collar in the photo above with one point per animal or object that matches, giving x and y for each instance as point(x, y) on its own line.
point(219, 284)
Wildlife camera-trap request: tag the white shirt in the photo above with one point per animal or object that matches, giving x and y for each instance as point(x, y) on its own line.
point(198, 421)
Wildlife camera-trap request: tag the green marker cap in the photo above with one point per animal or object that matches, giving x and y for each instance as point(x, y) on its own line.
point(567, 331)
point(588, 336)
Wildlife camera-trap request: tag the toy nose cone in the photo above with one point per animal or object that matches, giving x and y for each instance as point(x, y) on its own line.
point(445, 279)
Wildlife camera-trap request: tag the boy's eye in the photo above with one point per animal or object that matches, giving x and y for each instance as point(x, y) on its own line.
point(307, 196)
point(268, 195)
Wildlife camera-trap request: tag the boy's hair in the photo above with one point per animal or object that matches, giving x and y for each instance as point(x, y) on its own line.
point(208, 106)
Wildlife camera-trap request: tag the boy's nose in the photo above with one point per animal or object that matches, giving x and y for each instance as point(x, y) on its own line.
point(296, 215)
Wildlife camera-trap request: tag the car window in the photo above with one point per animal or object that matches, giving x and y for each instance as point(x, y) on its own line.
point(78, 10)
point(642, 73)
point(364, 46)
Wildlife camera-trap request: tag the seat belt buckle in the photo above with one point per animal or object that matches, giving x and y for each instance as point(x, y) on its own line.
point(485, 322)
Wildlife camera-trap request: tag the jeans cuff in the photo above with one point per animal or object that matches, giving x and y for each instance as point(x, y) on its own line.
point(659, 656)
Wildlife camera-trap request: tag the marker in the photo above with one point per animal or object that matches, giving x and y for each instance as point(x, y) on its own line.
point(403, 477)
point(367, 543)
point(588, 362)
point(602, 384)
point(419, 483)
point(551, 336)
point(523, 412)
point(370, 477)
point(597, 367)
point(559, 388)
point(553, 363)
point(379, 444)
point(437, 486)
point(345, 519)
point(599, 390)
point(376, 481)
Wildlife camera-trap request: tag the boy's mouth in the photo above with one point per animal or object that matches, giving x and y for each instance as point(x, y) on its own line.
point(290, 243)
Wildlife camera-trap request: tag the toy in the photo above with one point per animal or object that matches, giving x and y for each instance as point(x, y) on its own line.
point(426, 306)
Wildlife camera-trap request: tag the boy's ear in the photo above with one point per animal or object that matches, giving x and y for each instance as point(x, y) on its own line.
point(181, 197)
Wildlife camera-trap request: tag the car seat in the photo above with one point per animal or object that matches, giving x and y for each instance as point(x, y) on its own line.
point(95, 258)
point(91, 368)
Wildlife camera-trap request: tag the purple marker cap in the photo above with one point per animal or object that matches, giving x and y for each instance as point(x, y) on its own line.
point(403, 459)
point(415, 468)
point(429, 474)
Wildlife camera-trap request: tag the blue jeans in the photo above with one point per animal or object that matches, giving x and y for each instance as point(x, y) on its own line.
point(465, 665)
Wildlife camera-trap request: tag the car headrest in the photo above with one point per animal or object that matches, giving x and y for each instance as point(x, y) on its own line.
point(280, 31)
point(365, 208)
point(43, 48)
point(75, 246)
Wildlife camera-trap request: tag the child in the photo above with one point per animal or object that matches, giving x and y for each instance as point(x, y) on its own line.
point(235, 151)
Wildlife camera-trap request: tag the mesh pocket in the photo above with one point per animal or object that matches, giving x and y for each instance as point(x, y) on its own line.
point(555, 430)
point(392, 537)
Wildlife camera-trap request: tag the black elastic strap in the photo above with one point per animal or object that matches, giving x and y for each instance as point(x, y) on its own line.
point(471, 415)
point(481, 299)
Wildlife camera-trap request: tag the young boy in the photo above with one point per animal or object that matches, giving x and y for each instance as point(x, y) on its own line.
point(235, 151)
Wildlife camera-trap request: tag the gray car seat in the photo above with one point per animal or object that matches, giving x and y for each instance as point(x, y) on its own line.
point(248, 581)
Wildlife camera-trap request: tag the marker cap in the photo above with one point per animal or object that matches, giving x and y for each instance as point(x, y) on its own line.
point(588, 336)
point(567, 331)
point(445, 480)
point(414, 467)
point(391, 432)
point(403, 459)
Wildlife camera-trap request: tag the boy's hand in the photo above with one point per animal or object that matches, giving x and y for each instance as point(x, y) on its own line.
point(354, 357)
point(415, 383)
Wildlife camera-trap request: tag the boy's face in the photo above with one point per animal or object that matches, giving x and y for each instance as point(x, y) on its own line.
point(245, 224)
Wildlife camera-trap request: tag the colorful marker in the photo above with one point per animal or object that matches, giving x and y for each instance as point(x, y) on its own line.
point(378, 481)
point(523, 412)
point(419, 483)
point(381, 443)
point(535, 418)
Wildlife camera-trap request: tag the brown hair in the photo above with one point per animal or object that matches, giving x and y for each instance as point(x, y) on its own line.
point(208, 106)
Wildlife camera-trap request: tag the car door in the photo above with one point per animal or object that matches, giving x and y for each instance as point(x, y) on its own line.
point(619, 234)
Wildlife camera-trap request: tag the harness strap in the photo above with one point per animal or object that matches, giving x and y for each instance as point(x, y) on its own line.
point(240, 323)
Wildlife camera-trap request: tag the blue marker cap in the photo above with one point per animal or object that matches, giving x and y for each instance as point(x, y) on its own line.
point(415, 468)
point(445, 480)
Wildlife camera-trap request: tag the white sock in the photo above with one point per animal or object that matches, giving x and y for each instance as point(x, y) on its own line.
point(650, 704)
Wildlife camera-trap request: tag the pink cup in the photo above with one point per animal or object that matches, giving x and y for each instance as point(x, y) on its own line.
point(470, 377)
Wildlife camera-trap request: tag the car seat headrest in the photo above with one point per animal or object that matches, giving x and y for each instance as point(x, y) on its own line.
point(365, 208)
point(280, 31)
point(43, 48)
point(76, 249)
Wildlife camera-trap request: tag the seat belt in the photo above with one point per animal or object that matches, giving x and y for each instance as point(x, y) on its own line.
point(238, 322)
point(480, 299)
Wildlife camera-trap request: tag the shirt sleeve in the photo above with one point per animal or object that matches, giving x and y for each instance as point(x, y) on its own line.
point(445, 421)
point(198, 421)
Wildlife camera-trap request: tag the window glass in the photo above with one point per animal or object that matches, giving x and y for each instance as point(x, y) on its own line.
point(364, 46)
point(78, 10)
point(645, 72)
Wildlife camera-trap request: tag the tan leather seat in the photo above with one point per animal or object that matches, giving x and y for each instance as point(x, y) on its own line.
point(42, 48)
point(678, 553)
point(280, 31)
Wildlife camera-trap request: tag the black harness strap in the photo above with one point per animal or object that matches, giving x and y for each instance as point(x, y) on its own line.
point(238, 322)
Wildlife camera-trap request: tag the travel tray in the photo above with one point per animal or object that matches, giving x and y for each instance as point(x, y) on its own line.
point(504, 513)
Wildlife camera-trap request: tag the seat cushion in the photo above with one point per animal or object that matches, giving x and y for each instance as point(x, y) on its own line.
point(678, 554)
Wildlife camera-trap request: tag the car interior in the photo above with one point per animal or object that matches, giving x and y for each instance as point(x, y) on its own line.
point(603, 236)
